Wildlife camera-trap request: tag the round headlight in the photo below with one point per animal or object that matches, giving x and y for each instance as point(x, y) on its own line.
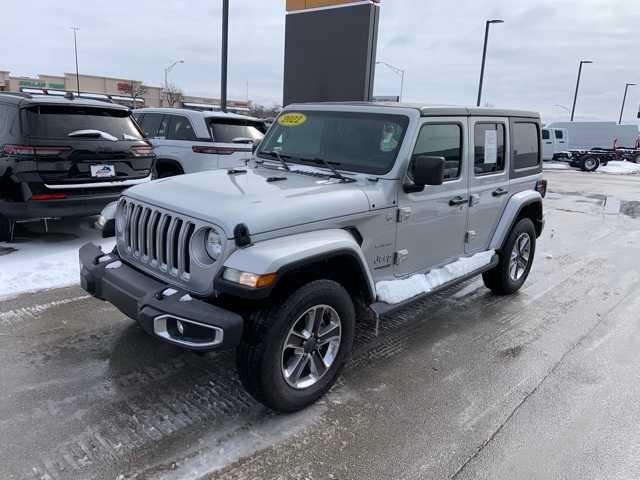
point(213, 244)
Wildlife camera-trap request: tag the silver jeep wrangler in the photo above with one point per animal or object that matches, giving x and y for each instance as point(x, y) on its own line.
point(345, 212)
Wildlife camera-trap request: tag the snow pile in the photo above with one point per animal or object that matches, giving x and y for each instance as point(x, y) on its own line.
point(620, 168)
point(555, 166)
point(46, 260)
point(397, 291)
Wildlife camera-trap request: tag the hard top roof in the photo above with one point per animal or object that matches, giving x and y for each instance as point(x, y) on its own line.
point(427, 110)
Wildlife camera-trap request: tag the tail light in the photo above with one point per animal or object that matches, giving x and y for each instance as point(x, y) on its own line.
point(541, 187)
point(218, 150)
point(38, 197)
point(142, 150)
point(27, 151)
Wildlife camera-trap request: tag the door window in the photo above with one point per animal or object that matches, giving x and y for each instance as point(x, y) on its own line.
point(180, 129)
point(150, 124)
point(442, 140)
point(559, 135)
point(545, 135)
point(526, 147)
point(489, 152)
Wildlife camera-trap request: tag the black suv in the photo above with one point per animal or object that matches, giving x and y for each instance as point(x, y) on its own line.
point(65, 156)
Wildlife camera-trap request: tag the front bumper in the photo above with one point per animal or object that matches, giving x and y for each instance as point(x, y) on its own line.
point(163, 311)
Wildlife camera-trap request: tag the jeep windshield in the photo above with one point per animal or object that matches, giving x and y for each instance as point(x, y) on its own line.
point(351, 141)
point(55, 121)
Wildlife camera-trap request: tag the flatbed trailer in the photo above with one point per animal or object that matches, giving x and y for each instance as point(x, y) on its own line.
point(590, 160)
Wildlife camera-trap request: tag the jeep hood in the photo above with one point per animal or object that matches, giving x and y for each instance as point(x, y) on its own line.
point(264, 199)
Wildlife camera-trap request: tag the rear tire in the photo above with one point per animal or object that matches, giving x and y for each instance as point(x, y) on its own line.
point(516, 260)
point(166, 169)
point(590, 164)
point(269, 358)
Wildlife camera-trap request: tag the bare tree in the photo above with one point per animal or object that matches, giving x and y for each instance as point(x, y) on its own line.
point(137, 90)
point(173, 95)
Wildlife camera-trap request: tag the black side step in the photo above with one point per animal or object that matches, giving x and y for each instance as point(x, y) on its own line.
point(381, 309)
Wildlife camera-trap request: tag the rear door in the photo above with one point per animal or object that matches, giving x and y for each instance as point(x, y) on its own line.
point(560, 139)
point(233, 139)
point(89, 144)
point(489, 179)
point(432, 223)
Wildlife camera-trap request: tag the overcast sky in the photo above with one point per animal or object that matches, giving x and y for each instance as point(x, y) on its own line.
point(532, 61)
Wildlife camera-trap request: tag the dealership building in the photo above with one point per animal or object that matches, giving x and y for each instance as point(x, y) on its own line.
point(119, 90)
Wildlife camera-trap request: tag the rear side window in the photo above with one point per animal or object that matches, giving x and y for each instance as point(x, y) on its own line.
point(559, 134)
point(526, 148)
point(53, 121)
point(180, 128)
point(443, 140)
point(229, 130)
point(489, 156)
point(150, 124)
point(545, 135)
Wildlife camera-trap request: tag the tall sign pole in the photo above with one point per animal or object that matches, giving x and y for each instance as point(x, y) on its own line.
point(225, 54)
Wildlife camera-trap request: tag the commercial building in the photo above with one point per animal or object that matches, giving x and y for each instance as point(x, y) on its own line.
point(119, 90)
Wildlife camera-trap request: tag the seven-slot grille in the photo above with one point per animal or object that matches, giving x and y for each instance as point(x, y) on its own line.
point(158, 239)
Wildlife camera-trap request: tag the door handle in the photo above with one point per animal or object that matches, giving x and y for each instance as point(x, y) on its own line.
point(499, 192)
point(457, 201)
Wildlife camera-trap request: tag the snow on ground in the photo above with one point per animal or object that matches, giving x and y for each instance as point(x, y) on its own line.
point(37, 260)
point(620, 168)
point(555, 166)
point(397, 291)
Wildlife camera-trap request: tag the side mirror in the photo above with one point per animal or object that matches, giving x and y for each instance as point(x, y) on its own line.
point(425, 170)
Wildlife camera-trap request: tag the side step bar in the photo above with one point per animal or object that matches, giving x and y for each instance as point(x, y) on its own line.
point(381, 309)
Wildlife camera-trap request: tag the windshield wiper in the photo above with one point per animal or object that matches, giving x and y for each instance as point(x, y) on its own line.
point(330, 166)
point(93, 134)
point(275, 153)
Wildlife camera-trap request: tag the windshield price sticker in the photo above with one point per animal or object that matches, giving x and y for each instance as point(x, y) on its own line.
point(292, 119)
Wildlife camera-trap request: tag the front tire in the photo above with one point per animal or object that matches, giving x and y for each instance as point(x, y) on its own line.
point(293, 353)
point(516, 260)
point(590, 164)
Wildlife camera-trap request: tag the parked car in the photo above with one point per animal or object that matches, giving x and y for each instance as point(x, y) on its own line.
point(65, 156)
point(188, 141)
point(346, 211)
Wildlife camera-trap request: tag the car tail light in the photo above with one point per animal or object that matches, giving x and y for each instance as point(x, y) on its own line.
point(27, 151)
point(48, 196)
point(541, 187)
point(142, 150)
point(218, 150)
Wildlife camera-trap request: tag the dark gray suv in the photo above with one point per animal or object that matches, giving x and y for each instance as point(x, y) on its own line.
point(65, 156)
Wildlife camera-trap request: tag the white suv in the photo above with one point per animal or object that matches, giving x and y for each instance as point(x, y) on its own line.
point(188, 141)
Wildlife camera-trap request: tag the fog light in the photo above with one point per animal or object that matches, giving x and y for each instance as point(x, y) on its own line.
point(180, 327)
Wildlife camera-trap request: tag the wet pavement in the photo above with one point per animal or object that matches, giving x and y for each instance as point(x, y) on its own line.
point(543, 384)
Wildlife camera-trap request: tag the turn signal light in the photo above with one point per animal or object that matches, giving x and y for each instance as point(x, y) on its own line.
point(251, 280)
point(27, 151)
point(218, 150)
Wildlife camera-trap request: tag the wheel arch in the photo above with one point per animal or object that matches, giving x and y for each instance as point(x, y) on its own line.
point(165, 161)
point(297, 259)
point(522, 205)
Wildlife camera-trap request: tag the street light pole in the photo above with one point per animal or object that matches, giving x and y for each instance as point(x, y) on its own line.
point(575, 96)
point(166, 76)
point(484, 56)
point(624, 100)
point(225, 54)
point(75, 46)
point(397, 71)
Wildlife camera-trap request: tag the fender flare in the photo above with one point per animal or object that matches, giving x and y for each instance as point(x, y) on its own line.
point(514, 206)
point(282, 254)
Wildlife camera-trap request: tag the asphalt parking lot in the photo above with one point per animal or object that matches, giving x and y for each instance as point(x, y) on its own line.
point(463, 385)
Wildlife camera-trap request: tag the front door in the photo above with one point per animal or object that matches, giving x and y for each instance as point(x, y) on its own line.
point(432, 223)
point(488, 179)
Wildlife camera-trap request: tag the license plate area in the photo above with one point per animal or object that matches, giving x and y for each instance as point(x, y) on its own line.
point(103, 171)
